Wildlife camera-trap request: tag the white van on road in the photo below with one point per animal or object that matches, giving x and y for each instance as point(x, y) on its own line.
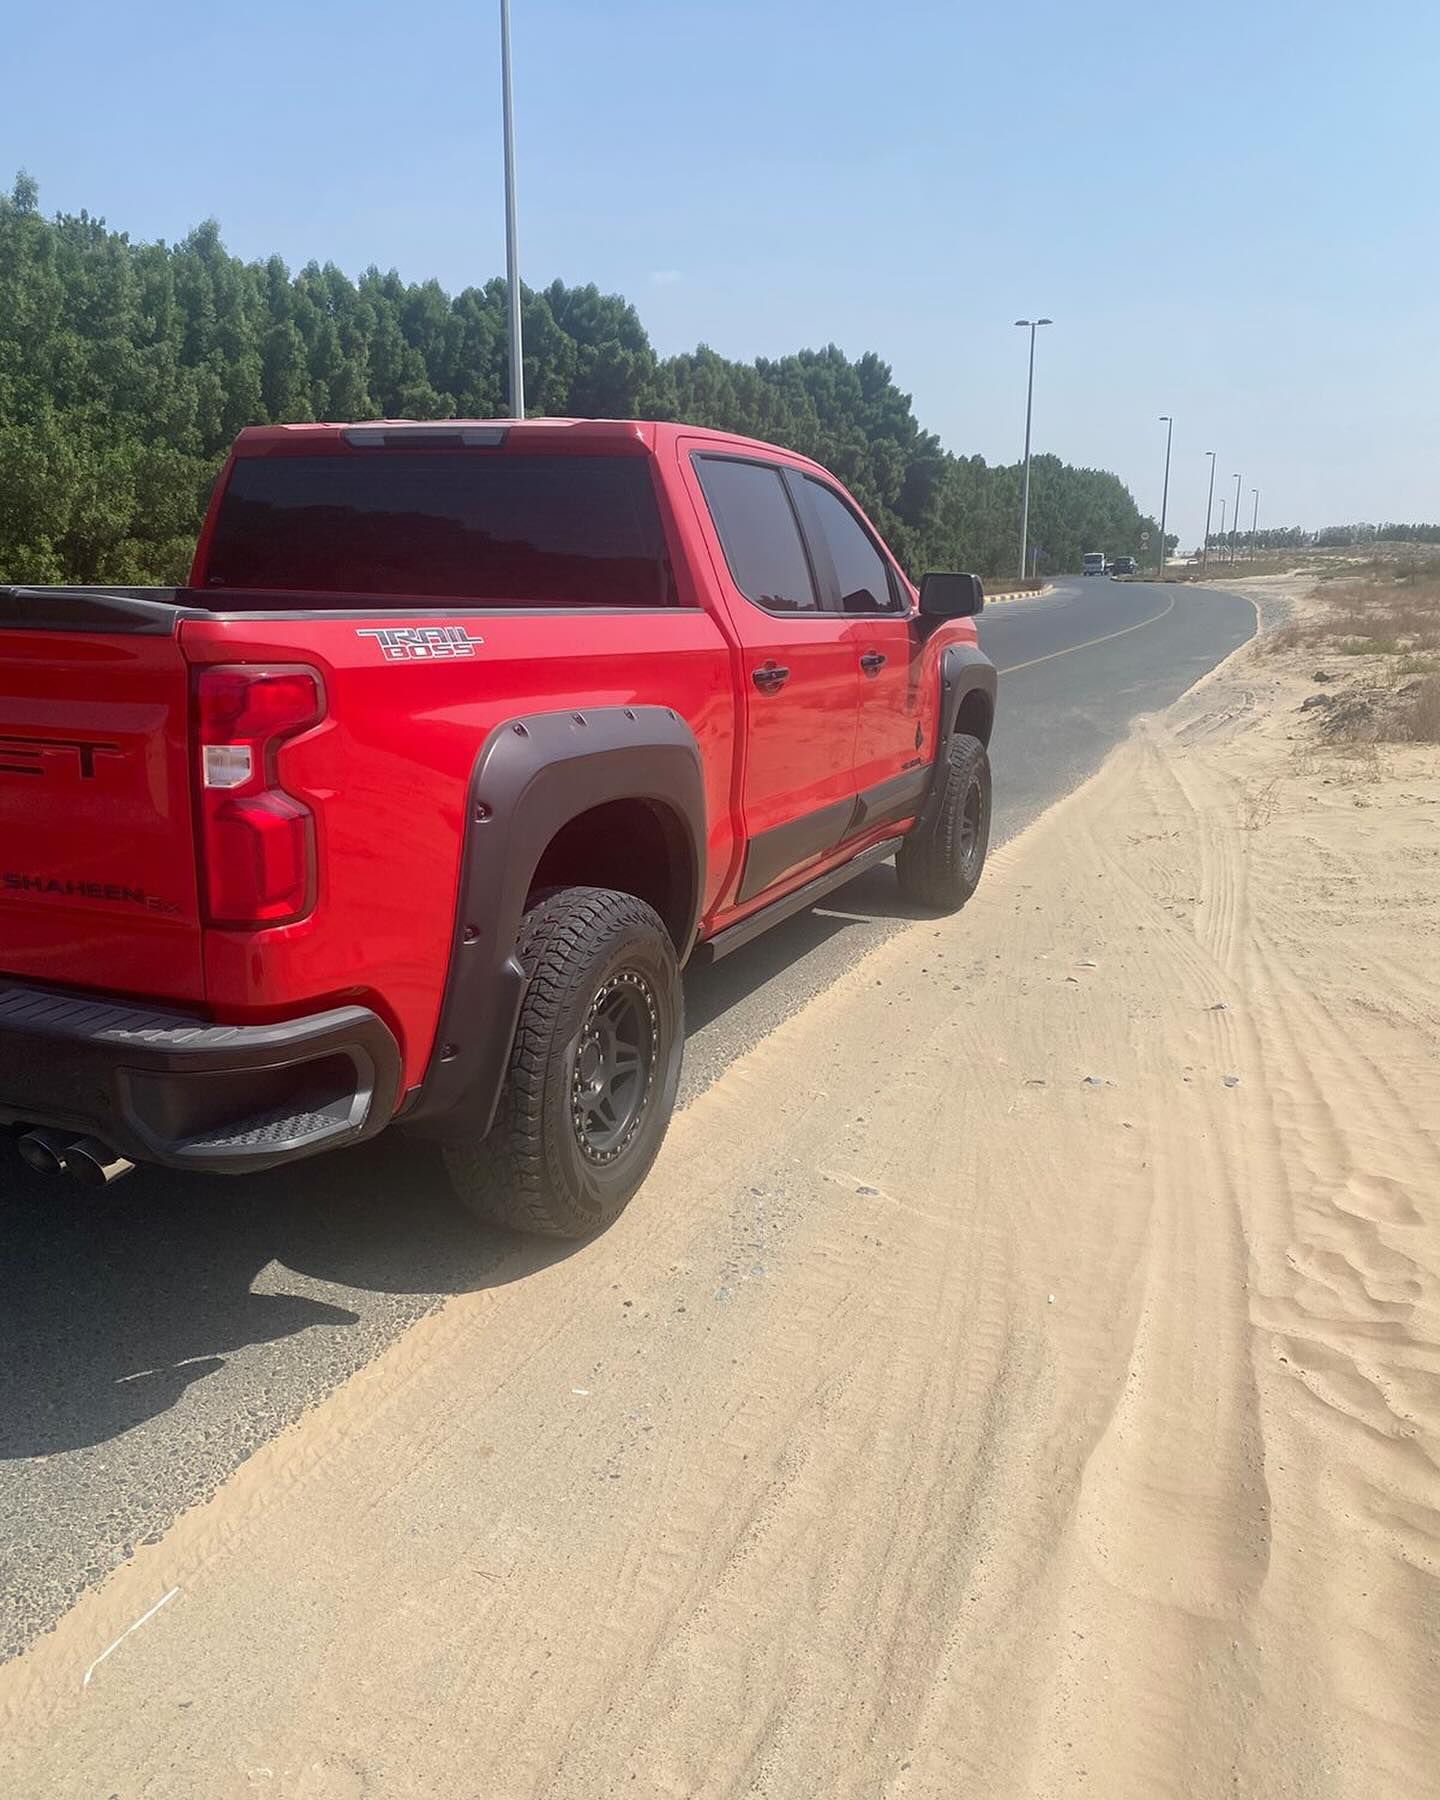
point(1094, 563)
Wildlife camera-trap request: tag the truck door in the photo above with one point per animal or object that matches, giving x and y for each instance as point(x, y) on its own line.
point(860, 584)
point(799, 673)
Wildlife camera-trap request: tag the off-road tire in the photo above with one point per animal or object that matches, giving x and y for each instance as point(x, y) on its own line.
point(539, 1169)
point(940, 863)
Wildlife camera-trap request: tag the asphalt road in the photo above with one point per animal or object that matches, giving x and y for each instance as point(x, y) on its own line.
point(152, 1339)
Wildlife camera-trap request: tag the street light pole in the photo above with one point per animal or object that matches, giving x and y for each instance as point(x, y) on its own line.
point(1032, 325)
point(1254, 522)
point(1169, 425)
point(1209, 504)
point(1235, 522)
point(1222, 524)
point(512, 246)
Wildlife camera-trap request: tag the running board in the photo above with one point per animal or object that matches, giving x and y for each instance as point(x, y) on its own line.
point(733, 936)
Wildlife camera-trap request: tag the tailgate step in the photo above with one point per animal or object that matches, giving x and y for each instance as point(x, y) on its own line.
point(160, 1086)
point(282, 1127)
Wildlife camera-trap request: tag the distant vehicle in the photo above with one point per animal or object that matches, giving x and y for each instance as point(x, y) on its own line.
point(1094, 563)
point(1123, 565)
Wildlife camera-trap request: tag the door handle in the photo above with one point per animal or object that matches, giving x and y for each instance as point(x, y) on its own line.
point(872, 662)
point(770, 677)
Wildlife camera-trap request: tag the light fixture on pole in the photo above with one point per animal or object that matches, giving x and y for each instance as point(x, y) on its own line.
point(1209, 505)
point(1032, 325)
point(1169, 425)
point(512, 247)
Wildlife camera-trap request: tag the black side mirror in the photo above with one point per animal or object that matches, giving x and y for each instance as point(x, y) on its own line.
point(950, 596)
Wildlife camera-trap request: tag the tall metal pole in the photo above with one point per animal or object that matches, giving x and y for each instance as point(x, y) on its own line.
point(1029, 406)
point(1222, 524)
point(512, 245)
point(1025, 502)
point(1169, 425)
point(1235, 521)
point(1254, 521)
point(1209, 504)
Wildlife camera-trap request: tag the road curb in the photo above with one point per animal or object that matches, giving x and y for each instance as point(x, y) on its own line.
point(1021, 593)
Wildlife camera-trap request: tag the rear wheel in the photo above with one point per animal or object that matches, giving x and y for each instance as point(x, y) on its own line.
point(593, 1074)
point(941, 861)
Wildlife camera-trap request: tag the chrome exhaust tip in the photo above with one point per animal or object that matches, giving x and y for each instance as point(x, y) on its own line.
point(94, 1164)
point(44, 1151)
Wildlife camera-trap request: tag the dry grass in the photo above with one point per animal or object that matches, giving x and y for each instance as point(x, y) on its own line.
point(1220, 571)
point(1421, 565)
point(1305, 763)
point(1257, 804)
point(1383, 617)
point(1294, 636)
point(1422, 719)
point(1367, 766)
point(1371, 618)
point(1369, 646)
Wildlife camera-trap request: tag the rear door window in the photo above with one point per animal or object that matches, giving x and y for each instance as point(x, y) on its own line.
point(487, 528)
point(758, 532)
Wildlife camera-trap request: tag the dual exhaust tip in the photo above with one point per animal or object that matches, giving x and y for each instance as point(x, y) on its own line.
point(86, 1159)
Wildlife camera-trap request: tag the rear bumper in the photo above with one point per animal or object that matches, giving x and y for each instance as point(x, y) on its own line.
point(164, 1087)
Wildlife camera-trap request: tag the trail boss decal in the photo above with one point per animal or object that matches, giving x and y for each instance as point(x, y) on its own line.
point(422, 643)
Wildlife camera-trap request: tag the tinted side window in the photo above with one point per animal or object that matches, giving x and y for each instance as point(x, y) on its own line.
point(484, 526)
point(758, 533)
point(862, 572)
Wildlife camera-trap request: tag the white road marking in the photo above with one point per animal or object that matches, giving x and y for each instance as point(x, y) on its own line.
point(1110, 636)
point(144, 1617)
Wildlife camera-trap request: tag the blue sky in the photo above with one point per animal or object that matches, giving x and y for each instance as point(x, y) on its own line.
point(1230, 211)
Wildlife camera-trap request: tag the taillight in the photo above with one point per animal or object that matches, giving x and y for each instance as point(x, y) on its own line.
point(257, 843)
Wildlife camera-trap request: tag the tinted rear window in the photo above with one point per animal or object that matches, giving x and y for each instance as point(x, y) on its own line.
point(487, 528)
point(758, 533)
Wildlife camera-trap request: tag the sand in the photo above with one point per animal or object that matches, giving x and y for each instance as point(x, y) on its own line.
point(1020, 1377)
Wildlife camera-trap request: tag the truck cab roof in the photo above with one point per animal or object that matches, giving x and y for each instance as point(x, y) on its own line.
point(530, 434)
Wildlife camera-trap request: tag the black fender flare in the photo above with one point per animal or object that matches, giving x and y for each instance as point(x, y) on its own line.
point(532, 776)
point(965, 670)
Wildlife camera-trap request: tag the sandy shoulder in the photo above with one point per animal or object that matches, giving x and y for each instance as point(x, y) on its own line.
point(1020, 1377)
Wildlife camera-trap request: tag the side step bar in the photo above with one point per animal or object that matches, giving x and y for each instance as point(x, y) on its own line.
point(712, 949)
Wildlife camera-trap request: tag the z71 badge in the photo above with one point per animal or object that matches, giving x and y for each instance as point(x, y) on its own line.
point(422, 643)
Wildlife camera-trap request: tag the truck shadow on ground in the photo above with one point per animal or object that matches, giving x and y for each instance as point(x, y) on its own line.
point(113, 1305)
point(711, 990)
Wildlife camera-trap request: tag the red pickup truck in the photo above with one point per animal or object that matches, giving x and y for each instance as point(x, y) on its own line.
point(412, 806)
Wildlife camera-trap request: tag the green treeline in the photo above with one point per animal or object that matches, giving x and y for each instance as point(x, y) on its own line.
point(1331, 537)
point(1348, 536)
point(126, 369)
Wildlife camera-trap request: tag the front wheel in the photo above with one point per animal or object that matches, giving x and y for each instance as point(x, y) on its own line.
point(593, 1074)
point(939, 864)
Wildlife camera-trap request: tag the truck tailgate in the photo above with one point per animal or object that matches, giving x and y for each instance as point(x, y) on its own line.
point(97, 859)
